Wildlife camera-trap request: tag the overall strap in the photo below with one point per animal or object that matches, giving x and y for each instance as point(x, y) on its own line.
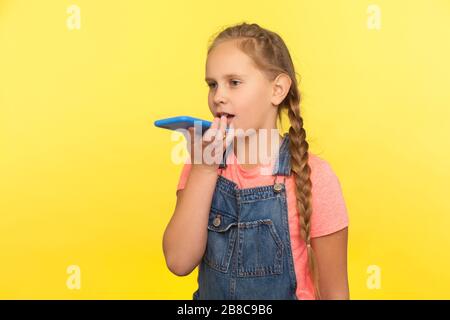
point(282, 165)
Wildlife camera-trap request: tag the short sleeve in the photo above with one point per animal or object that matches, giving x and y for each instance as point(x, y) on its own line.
point(184, 176)
point(329, 211)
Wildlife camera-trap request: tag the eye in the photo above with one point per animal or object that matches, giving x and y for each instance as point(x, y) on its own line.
point(235, 81)
point(210, 85)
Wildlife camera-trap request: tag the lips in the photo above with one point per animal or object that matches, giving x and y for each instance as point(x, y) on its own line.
point(229, 119)
point(220, 114)
point(229, 116)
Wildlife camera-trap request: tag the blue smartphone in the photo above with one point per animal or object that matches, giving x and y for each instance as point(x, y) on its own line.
point(182, 122)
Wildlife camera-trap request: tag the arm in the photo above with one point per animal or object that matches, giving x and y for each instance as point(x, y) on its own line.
point(331, 256)
point(184, 240)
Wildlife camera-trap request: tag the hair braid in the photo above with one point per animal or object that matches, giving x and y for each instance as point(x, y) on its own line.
point(301, 170)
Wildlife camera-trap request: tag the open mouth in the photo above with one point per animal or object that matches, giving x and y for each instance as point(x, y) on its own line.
point(228, 115)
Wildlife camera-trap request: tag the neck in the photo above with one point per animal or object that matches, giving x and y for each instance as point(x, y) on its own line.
point(258, 148)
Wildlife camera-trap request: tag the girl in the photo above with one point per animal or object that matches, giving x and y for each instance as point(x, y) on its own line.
point(256, 235)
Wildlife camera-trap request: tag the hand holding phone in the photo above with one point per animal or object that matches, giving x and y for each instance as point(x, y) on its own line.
point(212, 132)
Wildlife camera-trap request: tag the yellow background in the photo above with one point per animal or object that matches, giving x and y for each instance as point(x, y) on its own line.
point(87, 180)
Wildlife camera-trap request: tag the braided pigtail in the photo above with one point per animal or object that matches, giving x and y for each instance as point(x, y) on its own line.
point(301, 171)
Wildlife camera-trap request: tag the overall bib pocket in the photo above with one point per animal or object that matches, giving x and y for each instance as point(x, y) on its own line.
point(220, 242)
point(260, 250)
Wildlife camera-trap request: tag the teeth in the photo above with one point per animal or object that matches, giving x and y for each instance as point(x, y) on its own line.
point(225, 114)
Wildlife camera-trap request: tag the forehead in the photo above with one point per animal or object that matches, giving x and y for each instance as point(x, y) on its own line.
point(227, 59)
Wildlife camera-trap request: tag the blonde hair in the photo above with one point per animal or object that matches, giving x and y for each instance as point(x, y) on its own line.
point(270, 54)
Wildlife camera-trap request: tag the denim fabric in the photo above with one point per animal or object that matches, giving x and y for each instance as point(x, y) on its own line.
point(248, 253)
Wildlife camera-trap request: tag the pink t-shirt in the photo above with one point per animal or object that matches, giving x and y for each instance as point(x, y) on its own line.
point(329, 212)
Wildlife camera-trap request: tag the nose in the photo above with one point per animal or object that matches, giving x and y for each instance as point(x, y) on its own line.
point(219, 97)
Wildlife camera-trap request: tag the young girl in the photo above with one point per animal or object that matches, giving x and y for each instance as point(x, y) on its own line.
point(256, 235)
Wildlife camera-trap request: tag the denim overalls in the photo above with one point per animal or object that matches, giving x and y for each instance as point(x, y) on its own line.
point(248, 253)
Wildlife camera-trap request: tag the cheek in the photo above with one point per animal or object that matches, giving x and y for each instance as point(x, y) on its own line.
point(252, 98)
point(211, 103)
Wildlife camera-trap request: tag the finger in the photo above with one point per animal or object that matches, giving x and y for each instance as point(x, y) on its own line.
point(211, 132)
point(230, 135)
point(219, 139)
point(222, 126)
point(189, 134)
point(215, 123)
point(193, 134)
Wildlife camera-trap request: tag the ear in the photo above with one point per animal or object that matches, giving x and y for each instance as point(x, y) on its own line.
point(280, 86)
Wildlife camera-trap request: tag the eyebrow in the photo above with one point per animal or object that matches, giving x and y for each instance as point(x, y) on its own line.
point(230, 75)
